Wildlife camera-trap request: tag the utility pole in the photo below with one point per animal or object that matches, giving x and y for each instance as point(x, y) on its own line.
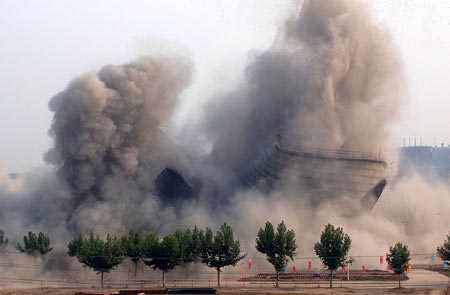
point(348, 271)
point(349, 262)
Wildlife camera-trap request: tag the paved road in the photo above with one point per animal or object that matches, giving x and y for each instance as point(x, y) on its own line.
point(418, 278)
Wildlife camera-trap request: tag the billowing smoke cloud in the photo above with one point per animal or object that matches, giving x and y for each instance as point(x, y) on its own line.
point(107, 124)
point(332, 80)
point(108, 149)
point(108, 143)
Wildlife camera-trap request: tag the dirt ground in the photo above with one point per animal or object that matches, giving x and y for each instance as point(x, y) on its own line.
point(421, 282)
point(312, 291)
point(334, 291)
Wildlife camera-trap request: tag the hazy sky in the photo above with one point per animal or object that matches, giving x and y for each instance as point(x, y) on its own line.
point(44, 44)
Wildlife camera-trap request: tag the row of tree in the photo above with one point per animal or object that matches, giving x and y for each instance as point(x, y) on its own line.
point(180, 248)
point(221, 250)
point(332, 249)
point(215, 250)
point(33, 244)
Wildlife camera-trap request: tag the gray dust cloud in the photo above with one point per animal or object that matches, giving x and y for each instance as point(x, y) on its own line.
point(332, 79)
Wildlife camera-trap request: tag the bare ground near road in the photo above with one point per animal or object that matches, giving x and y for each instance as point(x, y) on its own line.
point(417, 278)
point(334, 291)
point(315, 291)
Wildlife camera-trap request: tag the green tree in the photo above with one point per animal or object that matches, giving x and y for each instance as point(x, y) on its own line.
point(149, 245)
point(35, 245)
point(333, 248)
point(277, 247)
point(93, 252)
point(184, 239)
point(220, 250)
point(399, 259)
point(3, 242)
point(195, 246)
point(190, 246)
point(163, 255)
point(444, 249)
point(133, 244)
point(75, 245)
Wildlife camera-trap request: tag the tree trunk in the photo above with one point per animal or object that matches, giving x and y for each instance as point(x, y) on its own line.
point(164, 278)
point(101, 278)
point(277, 278)
point(135, 268)
point(218, 278)
point(348, 271)
point(399, 280)
point(331, 278)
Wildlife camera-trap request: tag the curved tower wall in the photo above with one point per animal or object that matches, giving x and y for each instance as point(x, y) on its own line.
point(320, 173)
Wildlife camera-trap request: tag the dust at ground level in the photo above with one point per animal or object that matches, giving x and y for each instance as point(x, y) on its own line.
point(420, 282)
point(313, 291)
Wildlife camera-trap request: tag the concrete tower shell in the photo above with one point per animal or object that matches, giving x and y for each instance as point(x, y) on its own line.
point(320, 173)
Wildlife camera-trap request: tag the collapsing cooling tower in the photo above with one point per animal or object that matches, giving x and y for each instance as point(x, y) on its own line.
point(320, 173)
point(171, 187)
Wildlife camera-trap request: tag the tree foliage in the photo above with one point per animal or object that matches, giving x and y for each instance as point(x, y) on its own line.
point(163, 255)
point(149, 244)
point(444, 249)
point(35, 245)
point(190, 244)
point(220, 250)
point(3, 242)
point(399, 259)
point(93, 252)
point(333, 248)
point(133, 246)
point(184, 239)
point(75, 245)
point(196, 244)
point(277, 246)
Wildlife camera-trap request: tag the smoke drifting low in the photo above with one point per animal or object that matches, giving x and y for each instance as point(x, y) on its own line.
point(331, 80)
point(108, 149)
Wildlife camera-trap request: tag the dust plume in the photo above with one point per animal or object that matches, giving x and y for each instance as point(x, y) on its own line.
point(332, 80)
point(10, 183)
point(411, 212)
point(108, 146)
point(108, 141)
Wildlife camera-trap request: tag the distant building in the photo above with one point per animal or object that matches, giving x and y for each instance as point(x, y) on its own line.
point(432, 162)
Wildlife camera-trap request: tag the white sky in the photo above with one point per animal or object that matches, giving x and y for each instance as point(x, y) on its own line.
point(44, 44)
